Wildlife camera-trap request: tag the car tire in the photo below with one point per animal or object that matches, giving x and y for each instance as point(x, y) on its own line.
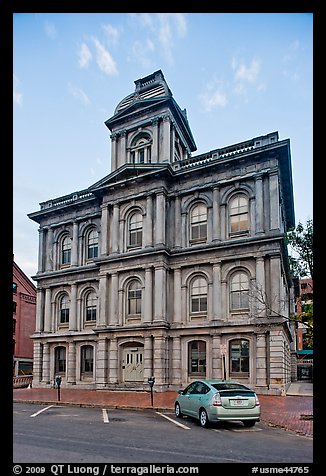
point(177, 411)
point(249, 423)
point(203, 418)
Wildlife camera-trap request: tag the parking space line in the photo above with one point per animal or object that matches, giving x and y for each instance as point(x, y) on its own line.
point(173, 421)
point(40, 411)
point(105, 416)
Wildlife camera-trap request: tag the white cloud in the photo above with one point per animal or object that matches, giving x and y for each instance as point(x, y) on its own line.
point(246, 73)
point(165, 28)
point(112, 33)
point(85, 56)
point(104, 59)
point(50, 30)
point(79, 94)
point(214, 96)
point(141, 51)
point(17, 96)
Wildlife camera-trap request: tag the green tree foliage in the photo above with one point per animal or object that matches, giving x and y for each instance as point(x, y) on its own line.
point(300, 242)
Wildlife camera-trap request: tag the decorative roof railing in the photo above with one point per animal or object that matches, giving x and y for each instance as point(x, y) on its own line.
point(67, 199)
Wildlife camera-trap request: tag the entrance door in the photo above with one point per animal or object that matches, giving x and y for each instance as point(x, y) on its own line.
point(133, 364)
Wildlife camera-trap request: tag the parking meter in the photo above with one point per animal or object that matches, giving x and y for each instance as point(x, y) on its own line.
point(58, 384)
point(151, 381)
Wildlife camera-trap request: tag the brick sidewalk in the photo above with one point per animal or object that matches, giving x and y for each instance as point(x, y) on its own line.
point(293, 413)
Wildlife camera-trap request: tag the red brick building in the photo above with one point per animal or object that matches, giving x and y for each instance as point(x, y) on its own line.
point(24, 312)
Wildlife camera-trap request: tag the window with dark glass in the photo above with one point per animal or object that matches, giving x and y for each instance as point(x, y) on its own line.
point(87, 359)
point(60, 360)
point(198, 223)
point(92, 244)
point(90, 306)
point(197, 358)
point(64, 309)
point(239, 214)
point(239, 290)
point(14, 287)
point(14, 306)
point(140, 151)
point(239, 357)
point(198, 299)
point(135, 229)
point(134, 298)
point(66, 250)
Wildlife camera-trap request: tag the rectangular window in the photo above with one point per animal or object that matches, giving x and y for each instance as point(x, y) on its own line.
point(66, 256)
point(64, 316)
point(91, 314)
point(14, 288)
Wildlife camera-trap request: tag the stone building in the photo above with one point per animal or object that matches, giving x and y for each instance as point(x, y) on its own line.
point(173, 265)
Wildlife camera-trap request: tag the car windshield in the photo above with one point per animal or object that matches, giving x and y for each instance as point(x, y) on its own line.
point(229, 386)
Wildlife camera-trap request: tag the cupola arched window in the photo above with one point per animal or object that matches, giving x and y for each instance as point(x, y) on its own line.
point(140, 151)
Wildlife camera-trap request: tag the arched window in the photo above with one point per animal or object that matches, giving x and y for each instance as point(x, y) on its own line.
point(135, 230)
point(64, 309)
point(239, 214)
point(87, 363)
point(90, 306)
point(65, 250)
point(197, 358)
point(60, 360)
point(140, 151)
point(239, 291)
point(92, 244)
point(239, 357)
point(134, 297)
point(198, 296)
point(198, 223)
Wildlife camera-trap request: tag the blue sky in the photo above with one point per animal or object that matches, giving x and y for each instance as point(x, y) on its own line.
point(238, 75)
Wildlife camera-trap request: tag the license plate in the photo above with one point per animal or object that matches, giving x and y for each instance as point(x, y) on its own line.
point(237, 403)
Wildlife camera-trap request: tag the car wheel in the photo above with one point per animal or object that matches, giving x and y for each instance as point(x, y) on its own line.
point(177, 410)
point(203, 418)
point(249, 423)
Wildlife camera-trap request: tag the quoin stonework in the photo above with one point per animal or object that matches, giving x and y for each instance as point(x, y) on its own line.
point(174, 265)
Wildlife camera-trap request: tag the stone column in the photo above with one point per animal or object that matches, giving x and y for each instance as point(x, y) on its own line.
point(115, 228)
point(159, 359)
point(49, 250)
point(73, 308)
point(104, 229)
point(176, 361)
point(155, 140)
point(216, 357)
point(223, 222)
point(184, 233)
point(148, 358)
point(274, 200)
point(148, 299)
point(102, 363)
point(113, 361)
point(123, 148)
point(46, 364)
point(160, 219)
point(74, 249)
point(177, 314)
point(160, 294)
point(275, 278)
point(217, 291)
point(259, 201)
point(166, 143)
point(113, 152)
point(216, 234)
point(260, 307)
point(39, 321)
point(37, 362)
point(71, 363)
point(47, 310)
point(148, 238)
point(113, 318)
point(41, 250)
point(177, 222)
point(261, 368)
point(103, 305)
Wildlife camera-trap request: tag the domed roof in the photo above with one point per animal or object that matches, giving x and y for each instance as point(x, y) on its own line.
point(150, 87)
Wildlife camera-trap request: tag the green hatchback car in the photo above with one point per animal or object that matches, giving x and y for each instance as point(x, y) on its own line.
point(211, 401)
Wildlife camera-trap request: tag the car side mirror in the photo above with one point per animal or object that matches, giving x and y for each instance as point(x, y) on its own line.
point(180, 392)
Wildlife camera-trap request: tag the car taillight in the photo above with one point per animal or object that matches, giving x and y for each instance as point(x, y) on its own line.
point(256, 401)
point(217, 402)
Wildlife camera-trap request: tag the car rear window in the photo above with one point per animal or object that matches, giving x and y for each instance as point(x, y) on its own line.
point(230, 386)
